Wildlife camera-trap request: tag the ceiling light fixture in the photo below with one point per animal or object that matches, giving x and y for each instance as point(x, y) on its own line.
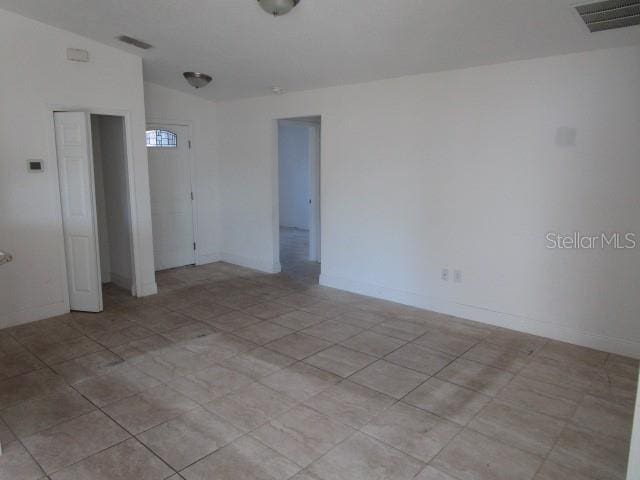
point(197, 80)
point(278, 7)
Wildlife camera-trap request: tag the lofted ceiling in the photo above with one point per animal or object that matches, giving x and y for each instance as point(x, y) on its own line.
point(322, 42)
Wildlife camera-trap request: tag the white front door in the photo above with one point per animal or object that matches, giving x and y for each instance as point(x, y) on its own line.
point(171, 196)
point(75, 168)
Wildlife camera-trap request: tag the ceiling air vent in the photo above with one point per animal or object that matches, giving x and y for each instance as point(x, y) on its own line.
point(610, 14)
point(135, 42)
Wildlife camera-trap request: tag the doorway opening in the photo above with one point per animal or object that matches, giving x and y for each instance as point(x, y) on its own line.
point(299, 197)
point(113, 211)
point(93, 175)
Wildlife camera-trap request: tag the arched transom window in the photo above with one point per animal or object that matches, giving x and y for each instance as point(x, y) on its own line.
point(161, 139)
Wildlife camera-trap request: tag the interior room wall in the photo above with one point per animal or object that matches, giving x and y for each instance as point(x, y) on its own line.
point(171, 106)
point(463, 170)
point(101, 203)
point(35, 76)
point(114, 165)
point(293, 166)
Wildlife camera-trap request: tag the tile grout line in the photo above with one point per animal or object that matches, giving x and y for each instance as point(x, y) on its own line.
point(131, 435)
point(382, 412)
point(19, 440)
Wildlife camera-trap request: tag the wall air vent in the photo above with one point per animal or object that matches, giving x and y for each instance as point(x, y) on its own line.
point(610, 14)
point(135, 42)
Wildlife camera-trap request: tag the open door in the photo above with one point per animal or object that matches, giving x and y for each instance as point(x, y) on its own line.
point(75, 167)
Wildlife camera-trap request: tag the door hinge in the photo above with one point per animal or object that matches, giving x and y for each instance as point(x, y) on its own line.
point(192, 196)
point(189, 144)
point(194, 245)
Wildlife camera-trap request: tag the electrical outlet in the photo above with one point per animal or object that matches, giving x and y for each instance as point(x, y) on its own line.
point(445, 275)
point(457, 276)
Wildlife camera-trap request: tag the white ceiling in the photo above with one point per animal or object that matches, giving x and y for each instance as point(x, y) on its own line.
point(323, 42)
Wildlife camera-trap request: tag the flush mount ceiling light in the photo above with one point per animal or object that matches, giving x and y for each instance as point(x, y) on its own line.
point(197, 80)
point(278, 7)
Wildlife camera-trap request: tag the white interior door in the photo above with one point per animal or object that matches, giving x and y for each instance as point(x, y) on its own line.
point(75, 167)
point(171, 198)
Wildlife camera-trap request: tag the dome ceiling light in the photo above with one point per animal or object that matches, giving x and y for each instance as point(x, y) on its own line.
point(278, 7)
point(197, 80)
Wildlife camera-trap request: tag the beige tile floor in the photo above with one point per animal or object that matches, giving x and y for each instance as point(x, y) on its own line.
point(229, 374)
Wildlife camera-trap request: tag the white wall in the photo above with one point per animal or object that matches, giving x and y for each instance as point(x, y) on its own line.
point(164, 105)
point(461, 169)
point(35, 75)
point(293, 151)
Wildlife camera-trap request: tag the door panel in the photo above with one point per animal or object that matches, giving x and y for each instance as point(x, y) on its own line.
point(75, 167)
point(171, 203)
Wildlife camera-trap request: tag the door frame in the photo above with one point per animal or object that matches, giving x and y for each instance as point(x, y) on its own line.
point(633, 467)
point(155, 121)
point(315, 176)
point(316, 193)
point(136, 269)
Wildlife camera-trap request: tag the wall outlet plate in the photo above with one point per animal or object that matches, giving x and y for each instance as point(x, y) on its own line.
point(457, 276)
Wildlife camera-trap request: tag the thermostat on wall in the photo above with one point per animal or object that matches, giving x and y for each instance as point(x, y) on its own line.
point(35, 166)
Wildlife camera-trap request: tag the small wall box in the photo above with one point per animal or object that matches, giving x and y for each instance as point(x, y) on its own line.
point(77, 55)
point(35, 166)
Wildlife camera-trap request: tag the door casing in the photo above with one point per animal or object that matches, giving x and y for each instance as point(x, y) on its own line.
point(136, 282)
point(315, 174)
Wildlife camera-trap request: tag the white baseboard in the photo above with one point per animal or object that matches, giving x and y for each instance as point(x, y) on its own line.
point(32, 314)
point(206, 258)
point(121, 281)
point(533, 326)
point(148, 289)
point(261, 265)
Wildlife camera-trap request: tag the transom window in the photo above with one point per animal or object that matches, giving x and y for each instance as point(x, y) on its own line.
point(161, 139)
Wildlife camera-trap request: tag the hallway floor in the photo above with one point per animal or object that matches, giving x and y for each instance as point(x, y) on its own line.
point(294, 256)
point(230, 374)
